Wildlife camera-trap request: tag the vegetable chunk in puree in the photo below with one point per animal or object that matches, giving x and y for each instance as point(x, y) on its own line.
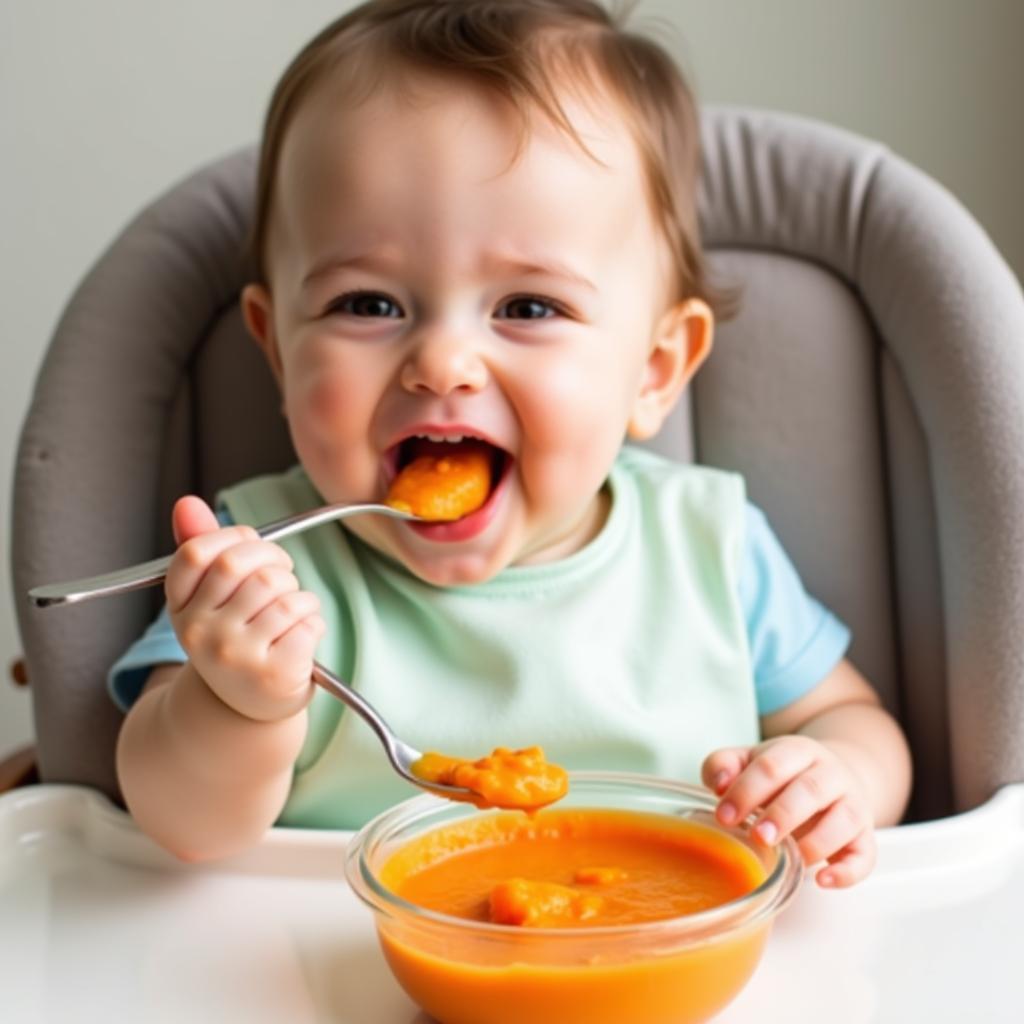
point(513, 779)
point(445, 483)
point(573, 868)
point(541, 904)
point(588, 891)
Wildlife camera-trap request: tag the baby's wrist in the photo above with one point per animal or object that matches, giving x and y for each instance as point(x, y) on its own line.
point(222, 741)
point(247, 694)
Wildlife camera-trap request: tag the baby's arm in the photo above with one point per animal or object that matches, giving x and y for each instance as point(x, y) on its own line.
point(205, 755)
point(833, 766)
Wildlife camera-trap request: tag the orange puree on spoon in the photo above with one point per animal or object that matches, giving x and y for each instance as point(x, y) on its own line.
point(512, 779)
point(443, 487)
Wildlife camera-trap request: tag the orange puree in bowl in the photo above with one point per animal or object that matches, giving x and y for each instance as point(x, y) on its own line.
point(443, 487)
point(653, 868)
point(559, 877)
point(512, 779)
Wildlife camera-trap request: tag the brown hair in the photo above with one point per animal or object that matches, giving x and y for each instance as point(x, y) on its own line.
point(517, 48)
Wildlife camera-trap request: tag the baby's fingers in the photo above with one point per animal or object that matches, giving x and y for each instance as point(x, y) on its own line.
point(810, 793)
point(291, 655)
point(773, 765)
point(297, 645)
point(722, 766)
point(850, 864)
point(286, 611)
point(233, 567)
point(838, 829)
point(193, 558)
point(260, 589)
point(190, 517)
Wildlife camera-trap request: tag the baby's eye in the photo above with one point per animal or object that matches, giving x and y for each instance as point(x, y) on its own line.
point(527, 307)
point(365, 304)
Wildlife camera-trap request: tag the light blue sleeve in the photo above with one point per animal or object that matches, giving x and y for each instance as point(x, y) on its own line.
point(157, 646)
point(794, 640)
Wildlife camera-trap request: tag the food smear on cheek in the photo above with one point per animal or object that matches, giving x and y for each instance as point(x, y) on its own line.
point(443, 485)
point(511, 779)
point(573, 868)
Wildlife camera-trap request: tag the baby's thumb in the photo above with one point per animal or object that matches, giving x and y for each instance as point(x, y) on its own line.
point(191, 517)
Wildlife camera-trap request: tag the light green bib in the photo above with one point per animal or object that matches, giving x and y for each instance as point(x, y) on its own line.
point(631, 654)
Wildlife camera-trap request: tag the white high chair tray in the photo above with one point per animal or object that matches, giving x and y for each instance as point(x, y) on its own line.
point(97, 925)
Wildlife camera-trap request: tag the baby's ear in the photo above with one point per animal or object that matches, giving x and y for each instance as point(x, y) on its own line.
point(682, 341)
point(258, 314)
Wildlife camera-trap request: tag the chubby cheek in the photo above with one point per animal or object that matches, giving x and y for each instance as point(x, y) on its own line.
point(328, 424)
point(572, 430)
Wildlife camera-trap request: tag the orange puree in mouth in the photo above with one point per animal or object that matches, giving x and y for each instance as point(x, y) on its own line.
point(443, 487)
point(513, 779)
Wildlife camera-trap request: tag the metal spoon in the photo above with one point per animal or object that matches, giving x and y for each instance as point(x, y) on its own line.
point(400, 754)
point(147, 574)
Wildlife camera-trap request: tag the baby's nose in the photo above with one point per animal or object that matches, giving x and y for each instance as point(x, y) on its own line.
point(442, 363)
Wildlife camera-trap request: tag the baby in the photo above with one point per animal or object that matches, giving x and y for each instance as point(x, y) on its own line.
point(476, 227)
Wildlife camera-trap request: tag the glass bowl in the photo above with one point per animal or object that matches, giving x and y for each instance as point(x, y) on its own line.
point(671, 971)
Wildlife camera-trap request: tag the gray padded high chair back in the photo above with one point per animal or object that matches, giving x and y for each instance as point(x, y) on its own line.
point(871, 390)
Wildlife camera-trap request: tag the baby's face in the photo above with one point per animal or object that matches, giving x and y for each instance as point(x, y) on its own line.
point(422, 284)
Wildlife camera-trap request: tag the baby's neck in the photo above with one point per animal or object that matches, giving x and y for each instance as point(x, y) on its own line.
point(577, 535)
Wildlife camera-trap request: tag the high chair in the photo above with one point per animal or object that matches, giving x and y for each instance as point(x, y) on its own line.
point(871, 390)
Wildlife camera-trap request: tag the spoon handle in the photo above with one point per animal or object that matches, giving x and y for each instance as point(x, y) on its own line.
point(147, 574)
point(400, 754)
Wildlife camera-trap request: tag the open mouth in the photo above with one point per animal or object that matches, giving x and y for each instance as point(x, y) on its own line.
point(451, 481)
point(437, 447)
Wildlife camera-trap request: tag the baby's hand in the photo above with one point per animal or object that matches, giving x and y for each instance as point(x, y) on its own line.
point(805, 789)
point(237, 610)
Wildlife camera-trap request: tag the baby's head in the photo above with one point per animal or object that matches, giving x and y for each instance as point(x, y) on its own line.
point(476, 218)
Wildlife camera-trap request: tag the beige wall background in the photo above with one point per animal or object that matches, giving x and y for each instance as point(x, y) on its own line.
point(104, 105)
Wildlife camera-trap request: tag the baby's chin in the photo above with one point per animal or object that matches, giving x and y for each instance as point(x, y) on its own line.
point(451, 569)
point(473, 563)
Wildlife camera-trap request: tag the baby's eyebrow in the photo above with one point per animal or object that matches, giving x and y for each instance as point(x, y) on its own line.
point(490, 263)
point(360, 261)
point(540, 266)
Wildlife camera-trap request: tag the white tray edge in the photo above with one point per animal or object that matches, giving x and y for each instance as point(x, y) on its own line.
point(986, 835)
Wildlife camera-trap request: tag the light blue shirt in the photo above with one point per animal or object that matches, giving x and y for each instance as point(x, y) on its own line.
point(794, 641)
